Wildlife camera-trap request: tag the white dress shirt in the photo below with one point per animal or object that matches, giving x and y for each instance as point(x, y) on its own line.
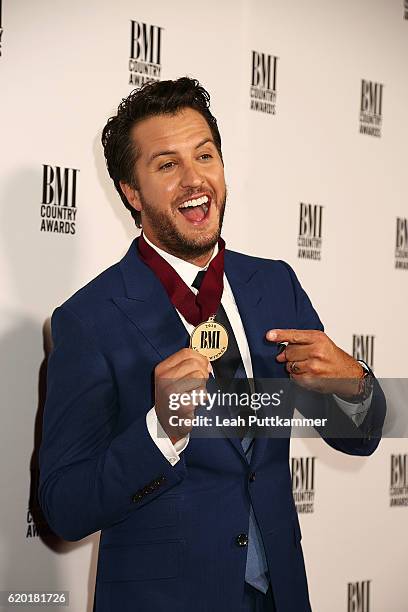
point(188, 272)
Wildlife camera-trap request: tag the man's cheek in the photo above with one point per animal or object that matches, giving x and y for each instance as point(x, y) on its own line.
point(219, 180)
point(170, 188)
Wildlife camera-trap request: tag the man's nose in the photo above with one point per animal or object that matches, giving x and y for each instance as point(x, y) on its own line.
point(191, 176)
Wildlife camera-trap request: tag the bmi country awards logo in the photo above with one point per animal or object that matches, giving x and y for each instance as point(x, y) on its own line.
point(263, 82)
point(371, 108)
point(303, 483)
point(399, 480)
point(363, 348)
point(145, 53)
point(1, 27)
point(310, 231)
point(358, 596)
point(32, 530)
point(401, 244)
point(36, 526)
point(58, 207)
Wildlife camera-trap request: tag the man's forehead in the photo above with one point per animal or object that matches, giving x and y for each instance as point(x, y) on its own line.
point(170, 130)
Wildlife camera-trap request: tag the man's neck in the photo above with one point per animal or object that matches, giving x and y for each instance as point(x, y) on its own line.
point(200, 261)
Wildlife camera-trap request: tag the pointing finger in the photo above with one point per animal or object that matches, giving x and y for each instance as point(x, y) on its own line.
point(292, 336)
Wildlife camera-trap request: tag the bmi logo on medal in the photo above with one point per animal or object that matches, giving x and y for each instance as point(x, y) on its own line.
point(145, 53)
point(310, 231)
point(401, 244)
point(1, 27)
point(358, 596)
point(263, 82)
point(59, 208)
point(209, 338)
point(303, 483)
point(363, 348)
point(399, 480)
point(371, 108)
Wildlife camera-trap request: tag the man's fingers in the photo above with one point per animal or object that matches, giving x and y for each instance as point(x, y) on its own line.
point(296, 368)
point(186, 354)
point(186, 369)
point(294, 352)
point(304, 380)
point(293, 336)
point(182, 385)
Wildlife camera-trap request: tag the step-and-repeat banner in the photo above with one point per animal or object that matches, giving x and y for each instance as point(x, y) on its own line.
point(311, 100)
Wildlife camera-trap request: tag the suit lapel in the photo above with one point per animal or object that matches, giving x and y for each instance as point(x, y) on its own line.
point(148, 307)
point(258, 314)
point(258, 311)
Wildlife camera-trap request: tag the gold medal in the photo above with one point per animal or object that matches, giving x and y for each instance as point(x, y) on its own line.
point(210, 339)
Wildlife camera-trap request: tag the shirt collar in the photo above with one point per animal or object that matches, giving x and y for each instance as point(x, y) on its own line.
point(186, 270)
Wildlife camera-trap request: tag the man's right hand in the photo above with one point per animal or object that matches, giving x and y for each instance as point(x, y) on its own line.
point(180, 373)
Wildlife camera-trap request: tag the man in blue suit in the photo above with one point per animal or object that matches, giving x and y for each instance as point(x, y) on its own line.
point(187, 523)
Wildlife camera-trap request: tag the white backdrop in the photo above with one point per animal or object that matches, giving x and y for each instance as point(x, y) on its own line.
point(63, 69)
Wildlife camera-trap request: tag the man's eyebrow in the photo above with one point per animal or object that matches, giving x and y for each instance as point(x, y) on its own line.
point(160, 153)
point(204, 141)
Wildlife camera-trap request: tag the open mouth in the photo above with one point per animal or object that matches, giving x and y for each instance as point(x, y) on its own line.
point(196, 209)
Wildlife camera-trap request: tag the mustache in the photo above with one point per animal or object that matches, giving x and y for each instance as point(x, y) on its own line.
point(191, 193)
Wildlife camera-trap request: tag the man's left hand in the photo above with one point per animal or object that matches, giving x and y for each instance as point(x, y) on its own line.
point(315, 362)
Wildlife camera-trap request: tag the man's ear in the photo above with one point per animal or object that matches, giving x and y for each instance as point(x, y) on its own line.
point(132, 195)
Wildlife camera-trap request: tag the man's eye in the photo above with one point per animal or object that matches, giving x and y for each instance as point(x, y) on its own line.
point(206, 156)
point(167, 166)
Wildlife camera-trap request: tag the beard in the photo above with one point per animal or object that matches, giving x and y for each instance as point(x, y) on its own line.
point(173, 240)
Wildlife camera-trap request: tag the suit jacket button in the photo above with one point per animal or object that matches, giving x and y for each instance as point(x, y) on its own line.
point(252, 476)
point(242, 539)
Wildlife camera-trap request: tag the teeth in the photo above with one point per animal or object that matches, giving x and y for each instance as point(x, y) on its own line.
point(196, 202)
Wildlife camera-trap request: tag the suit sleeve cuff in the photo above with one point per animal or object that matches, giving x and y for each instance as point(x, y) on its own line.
point(357, 412)
point(160, 438)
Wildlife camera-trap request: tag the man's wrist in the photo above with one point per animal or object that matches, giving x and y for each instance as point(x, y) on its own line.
point(169, 449)
point(363, 385)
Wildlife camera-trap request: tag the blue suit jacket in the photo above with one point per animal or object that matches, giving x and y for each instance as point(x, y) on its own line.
point(168, 538)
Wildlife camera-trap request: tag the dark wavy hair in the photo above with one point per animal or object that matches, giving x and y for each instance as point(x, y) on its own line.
point(153, 98)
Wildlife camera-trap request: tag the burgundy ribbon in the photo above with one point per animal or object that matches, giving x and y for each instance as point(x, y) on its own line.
point(194, 308)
